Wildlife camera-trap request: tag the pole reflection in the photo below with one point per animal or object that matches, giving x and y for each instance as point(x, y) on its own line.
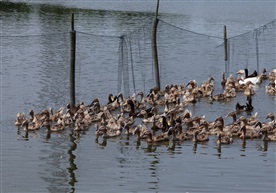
point(72, 166)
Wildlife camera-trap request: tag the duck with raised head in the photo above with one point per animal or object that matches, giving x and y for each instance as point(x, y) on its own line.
point(247, 107)
point(255, 79)
point(135, 114)
point(141, 104)
point(245, 73)
point(223, 80)
point(217, 97)
point(248, 122)
point(233, 115)
point(272, 118)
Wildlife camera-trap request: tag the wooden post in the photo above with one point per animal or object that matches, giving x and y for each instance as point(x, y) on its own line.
point(72, 62)
point(225, 51)
point(154, 47)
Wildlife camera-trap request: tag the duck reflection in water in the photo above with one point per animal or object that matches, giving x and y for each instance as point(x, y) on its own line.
point(102, 144)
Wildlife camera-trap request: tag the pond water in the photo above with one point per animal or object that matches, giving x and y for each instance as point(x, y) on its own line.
point(35, 75)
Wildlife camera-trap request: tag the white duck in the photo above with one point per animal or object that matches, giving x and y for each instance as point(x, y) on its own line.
point(254, 78)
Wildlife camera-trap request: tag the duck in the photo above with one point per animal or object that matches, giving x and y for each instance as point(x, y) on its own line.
point(54, 116)
point(217, 97)
point(200, 138)
point(182, 135)
point(248, 134)
point(60, 126)
point(135, 114)
point(245, 73)
point(265, 135)
point(223, 80)
point(233, 115)
point(224, 139)
point(174, 136)
point(271, 117)
point(249, 89)
point(111, 133)
point(253, 80)
point(158, 137)
point(229, 92)
point(249, 122)
point(141, 104)
point(190, 97)
point(137, 132)
point(271, 87)
point(264, 75)
point(80, 125)
point(247, 107)
point(162, 124)
point(33, 126)
point(130, 129)
point(20, 118)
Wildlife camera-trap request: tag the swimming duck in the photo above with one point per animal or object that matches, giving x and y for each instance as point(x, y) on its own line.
point(190, 97)
point(20, 118)
point(223, 80)
point(135, 114)
point(271, 87)
point(253, 80)
point(248, 134)
point(245, 73)
point(217, 97)
point(33, 126)
point(264, 75)
point(265, 135)
point(271, 117)
point(158, 137)
point(197, 137)
point(80, 125)
point(247, 107)
point(224, 139)
point(233, 115)
point(142, 103)
point(60, 126)
point(229, 92)
point(249, 90)
point(111, 133)
point(182, 135)
point(54, 116)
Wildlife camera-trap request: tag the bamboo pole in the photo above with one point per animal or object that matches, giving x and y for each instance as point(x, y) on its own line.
point(72, 62)
point(154, 47)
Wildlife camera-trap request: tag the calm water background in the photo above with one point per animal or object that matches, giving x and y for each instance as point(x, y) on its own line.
point(34, 75)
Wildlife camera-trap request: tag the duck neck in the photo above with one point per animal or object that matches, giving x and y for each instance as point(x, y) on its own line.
point(265, 135)
point(132, 106)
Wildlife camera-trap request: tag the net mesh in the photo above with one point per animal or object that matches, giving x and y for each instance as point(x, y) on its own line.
point(125, 62)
